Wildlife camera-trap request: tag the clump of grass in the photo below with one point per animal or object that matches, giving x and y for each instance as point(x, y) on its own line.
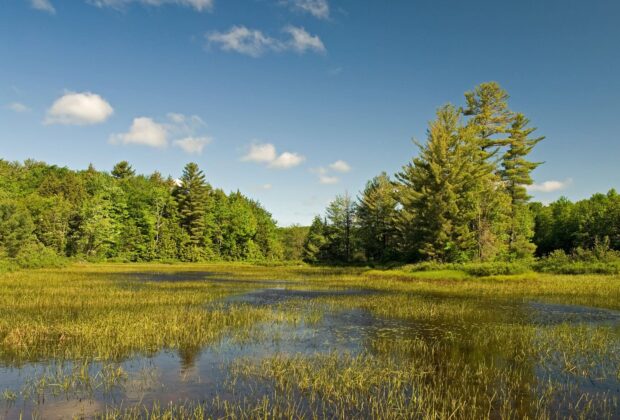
point(64, 315)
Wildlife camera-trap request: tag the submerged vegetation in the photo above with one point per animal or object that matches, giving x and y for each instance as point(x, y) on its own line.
point(247, 341)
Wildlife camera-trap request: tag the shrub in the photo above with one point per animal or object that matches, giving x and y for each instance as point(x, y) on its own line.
point(598, 260)
point(36, 255)
point(496, 268)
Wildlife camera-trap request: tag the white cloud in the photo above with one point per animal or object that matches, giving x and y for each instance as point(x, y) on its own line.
point(287, 160)
point(550, 186)
point(243, 40)
point(148, 132)
point(176, 118)
point(324, 176)
point(143, 131)
point(317, 8)
point(301, 40)
point(18, 107)
point(79, 109)
point(193, 145)
point(43, 5)
point(340, 166)
point(198, 5)
point(266, 186)
point(328, 180)
point(184, 125)
point(266, 153)
point(260, 153)
point(255, 43)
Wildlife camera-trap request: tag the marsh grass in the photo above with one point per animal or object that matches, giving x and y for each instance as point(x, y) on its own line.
point(77, 314)
point(456, 346)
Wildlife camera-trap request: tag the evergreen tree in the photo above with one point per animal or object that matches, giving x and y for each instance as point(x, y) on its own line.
point(315, 242)
point(122, 170)
point(516, 175)
point(490, 119)
point(487, 107)
point(377, 218)
point(191, 195)
point(340, 228)
point(437, 192)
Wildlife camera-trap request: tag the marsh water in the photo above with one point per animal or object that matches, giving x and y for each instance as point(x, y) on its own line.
point(52, 389)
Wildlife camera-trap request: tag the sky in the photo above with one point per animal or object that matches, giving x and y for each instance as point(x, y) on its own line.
point(294, 101)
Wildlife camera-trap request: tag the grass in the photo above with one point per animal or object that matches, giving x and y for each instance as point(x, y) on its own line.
point(457, 345)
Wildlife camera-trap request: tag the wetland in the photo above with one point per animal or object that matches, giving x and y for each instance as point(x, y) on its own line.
point(243, 341)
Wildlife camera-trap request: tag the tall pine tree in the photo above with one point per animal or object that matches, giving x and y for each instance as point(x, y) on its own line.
point(516, 174)
point(191, 196)
point(437, 192)
point(490, 119)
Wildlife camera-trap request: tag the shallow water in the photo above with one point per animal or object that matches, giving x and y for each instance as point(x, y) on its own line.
point(201, 374)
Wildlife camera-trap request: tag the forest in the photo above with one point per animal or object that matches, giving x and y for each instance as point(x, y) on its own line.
point(462, 198)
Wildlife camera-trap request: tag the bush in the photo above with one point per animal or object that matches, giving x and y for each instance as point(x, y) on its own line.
point(430, 266)
point(472, 269)
point(496, 268)
point(599, 260)
point(35, 255)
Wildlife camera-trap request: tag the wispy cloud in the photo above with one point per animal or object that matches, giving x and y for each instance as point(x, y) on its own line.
point(317, 8)
point(325, 173)
point(43, 6)
point(198, 5)
point(335, 71)
point(246, 41)
point(255, 43)
point(328, 179)
point(324, 176)
point(301, 41)
point(193, 145)
point(18, 107)
point(340, 166)
point(265, 153)
point(550, 186)
point(75, 108)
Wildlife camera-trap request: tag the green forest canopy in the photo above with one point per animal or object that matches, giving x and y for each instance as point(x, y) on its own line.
point(462, 198)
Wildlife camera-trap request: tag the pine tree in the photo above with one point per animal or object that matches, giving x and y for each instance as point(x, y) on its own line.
point(516, 175)
point(123, 170)
point(313, 250)
point(487, 105)
point(437, 192)
point(377, 215)
point(341, 218)
point(191, 195)
point(490, 120)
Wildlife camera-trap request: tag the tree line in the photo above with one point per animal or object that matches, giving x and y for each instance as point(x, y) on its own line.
point(462, 198)
point(47, 211)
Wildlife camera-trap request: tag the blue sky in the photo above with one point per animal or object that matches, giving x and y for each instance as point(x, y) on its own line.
point(295, 101)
